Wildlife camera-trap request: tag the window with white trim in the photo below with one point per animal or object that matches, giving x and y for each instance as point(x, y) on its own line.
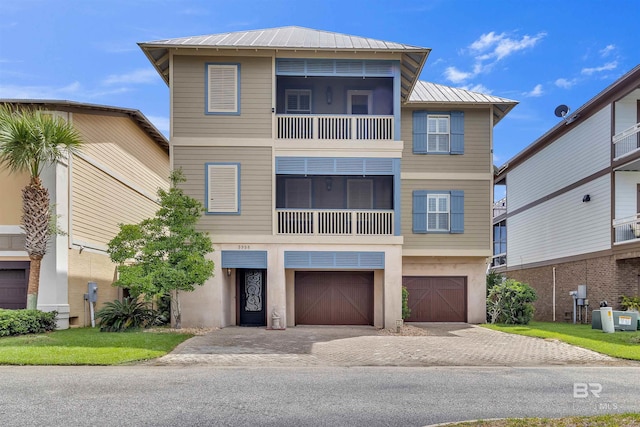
point(437, 133)
point(297, 101)
point(223, 188)
point(222, 82)
point(437, 212)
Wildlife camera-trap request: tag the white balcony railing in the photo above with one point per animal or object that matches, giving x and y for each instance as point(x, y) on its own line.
point(627, 141)
point(500, 207)
point(627, 229)
point(335, 222)
point(348, 127)
point(499, 260)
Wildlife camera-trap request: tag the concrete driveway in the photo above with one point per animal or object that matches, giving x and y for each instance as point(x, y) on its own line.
point(426, 344)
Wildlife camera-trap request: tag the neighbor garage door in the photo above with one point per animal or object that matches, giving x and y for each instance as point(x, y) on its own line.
point(437, 299)
point(334, 298)
point(14, 277)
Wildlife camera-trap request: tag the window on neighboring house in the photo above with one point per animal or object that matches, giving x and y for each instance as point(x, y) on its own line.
point(222, 89)
point(298, 101)
point(438, 211)
point(222, 188)
point(438, 133)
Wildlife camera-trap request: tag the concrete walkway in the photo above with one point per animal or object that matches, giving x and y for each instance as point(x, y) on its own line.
point(451, 344)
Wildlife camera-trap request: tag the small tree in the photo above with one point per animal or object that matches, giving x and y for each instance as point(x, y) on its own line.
point(164, 254)
point(406, 311)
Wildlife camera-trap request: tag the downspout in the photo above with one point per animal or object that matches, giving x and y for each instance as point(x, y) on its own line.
point(553, 302)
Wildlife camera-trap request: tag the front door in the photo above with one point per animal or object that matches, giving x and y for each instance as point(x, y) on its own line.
point(252, 297)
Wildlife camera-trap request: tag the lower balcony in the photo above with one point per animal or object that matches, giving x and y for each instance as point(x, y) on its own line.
point(627, 229)
point(333, 222)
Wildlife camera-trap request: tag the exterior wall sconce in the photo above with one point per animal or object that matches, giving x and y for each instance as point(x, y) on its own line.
point(228, 272)
point(586, 198)
point(329, 183)
point(329, 95)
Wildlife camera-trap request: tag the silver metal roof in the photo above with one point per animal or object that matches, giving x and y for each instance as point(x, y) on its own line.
point(427, 92)
point(412, 58)
point(287, 38)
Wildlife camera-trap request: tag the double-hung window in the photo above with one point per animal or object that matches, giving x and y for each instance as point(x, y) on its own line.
point(222, 94)
point(438, 133)
point(438, 211)
point(298, 101)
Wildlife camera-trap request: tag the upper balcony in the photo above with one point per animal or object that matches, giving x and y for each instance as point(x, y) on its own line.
point(337, 100)
point(627, 142)
point(627, 229)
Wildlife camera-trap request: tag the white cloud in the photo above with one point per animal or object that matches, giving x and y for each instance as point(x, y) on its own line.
point(535, 92)
point(160, 122)
point(607, 50)
point(73, 91)
point(606, 67)
point(564, 83)
point(480, 88)
point(488, 49)
point(141, 76)
point(456, 76)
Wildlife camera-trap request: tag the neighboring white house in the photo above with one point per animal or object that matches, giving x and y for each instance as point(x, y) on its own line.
point(571, 215)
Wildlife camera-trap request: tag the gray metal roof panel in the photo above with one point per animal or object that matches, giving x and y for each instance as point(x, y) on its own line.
point(286, 37)
point(432, 92)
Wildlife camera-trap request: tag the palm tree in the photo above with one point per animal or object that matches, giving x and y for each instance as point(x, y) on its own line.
point(29, 141)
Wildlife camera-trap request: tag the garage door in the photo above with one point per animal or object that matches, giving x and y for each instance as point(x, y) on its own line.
point(334, 298)
point(14, 277)
point(437, 299)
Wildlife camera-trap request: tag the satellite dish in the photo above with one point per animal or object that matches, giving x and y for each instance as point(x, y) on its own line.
point(561, 110)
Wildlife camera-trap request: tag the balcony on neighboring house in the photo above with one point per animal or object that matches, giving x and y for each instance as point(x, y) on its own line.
point(500, 207)
point(627, 229)
point(323, 205)
point(627, 141)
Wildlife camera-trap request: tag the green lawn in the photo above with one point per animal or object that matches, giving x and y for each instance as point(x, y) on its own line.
point(625, 345)
point(86, 346)
point(627, 420)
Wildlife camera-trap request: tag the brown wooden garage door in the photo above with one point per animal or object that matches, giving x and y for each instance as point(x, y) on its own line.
point(437, 299)
point(334, 298)
point(14, 277)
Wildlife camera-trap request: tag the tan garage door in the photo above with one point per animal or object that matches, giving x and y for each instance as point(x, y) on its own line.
point(334, 298)
point(437, 299)
point(14, 277)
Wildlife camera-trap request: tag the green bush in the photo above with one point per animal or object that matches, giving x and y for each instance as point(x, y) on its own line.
point(20, 322)
point(510, 302)
point(406, 311)
point(128, 314)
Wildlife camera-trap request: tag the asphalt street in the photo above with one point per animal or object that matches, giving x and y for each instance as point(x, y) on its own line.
point(373, 396)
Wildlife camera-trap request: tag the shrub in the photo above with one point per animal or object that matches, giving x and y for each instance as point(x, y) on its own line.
point(406, 311)
point(20, 322)
point(128, 314)
point(630, 303)
point(510, 302)
point(493, 278)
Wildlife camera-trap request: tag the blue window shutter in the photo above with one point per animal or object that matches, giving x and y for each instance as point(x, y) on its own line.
point(457, 212)
point(419, 132)
point(419, 211)
point(457, 132)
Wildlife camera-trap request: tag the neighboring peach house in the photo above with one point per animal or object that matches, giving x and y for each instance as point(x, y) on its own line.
point(114, 179)
point(331, 176)
point(572, 209)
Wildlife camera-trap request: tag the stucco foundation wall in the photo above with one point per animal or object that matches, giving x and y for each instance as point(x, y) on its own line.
point(87, 267)
point(606, 280)
point(474, 268)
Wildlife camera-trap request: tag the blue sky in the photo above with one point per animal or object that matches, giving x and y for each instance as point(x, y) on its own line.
point(541, 53)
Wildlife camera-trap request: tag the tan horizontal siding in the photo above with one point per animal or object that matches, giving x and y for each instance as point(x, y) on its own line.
point(256, 174)
point(124, 148)
point(477, 219)
point(11, 185)
point(100, 203)
point(477, 146)
point(189, 118)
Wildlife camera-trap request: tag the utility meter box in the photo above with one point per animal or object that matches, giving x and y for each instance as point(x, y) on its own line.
point(93, 291)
